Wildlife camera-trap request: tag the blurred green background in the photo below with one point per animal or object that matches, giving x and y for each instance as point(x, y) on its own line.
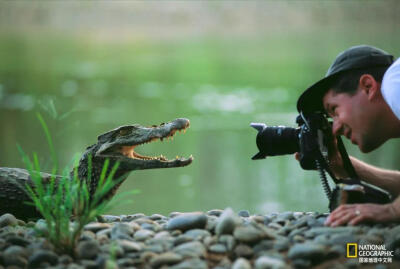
point(88, 67)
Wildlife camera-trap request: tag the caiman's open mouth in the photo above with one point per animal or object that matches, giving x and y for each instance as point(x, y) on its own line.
point(120, 143)
point(129, 151)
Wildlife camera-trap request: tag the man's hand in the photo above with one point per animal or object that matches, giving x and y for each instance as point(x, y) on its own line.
point(354, 214)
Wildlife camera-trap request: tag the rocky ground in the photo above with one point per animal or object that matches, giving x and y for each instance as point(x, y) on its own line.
point(215, 239)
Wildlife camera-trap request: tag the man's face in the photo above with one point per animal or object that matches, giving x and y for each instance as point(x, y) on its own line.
point(353, 116)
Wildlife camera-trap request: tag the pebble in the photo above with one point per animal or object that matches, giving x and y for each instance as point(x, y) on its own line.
point(266, 262)
point(191, 249)
point(143, 235)
point(227, 222)
point(167, 258)
point(241, 264)
point(88, 249)
point(8, 220)
point(42, 256)
point(187, 221)
point(218, 239)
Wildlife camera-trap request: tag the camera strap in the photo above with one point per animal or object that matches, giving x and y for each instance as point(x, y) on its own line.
point(348, 166)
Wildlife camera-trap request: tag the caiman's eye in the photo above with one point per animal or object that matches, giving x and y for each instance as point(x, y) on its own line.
point(124, 132)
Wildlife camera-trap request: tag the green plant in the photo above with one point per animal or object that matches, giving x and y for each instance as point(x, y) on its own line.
point(66, 196)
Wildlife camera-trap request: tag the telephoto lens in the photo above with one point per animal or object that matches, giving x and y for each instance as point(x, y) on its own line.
point(275, 140)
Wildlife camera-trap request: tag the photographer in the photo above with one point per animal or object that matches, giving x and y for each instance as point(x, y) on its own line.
point(361, 93)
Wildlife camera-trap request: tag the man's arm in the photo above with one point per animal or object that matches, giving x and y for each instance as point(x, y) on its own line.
point(388, 180)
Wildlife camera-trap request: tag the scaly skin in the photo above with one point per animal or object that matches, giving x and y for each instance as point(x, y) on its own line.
point(116, 145)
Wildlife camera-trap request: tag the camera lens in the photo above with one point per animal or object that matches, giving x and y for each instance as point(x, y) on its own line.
point(278, 140)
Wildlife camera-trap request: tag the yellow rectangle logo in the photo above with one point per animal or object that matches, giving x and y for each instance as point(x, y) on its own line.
point(351, 250)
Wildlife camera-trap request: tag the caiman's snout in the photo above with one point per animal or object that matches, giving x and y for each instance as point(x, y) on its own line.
point(121, 142)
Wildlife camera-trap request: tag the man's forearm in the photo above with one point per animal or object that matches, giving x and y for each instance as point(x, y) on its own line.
point(388, 180)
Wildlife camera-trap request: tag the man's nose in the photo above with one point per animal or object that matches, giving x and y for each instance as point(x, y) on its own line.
point(337, 128)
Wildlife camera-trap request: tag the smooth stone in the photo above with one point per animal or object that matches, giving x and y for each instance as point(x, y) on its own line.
point(191, 249)
point(241, 263)
point(15, 255)
point(154, 248)
point(308, 250)
point(42, 256)
point(167, 258)
point(157, 217)
point(88, 249)
point(282, 244)
point(284, 216)
point(228, 240)
point(211, 223)
point(264, 245)
point(331, 230)
point(215, 212)
point(244, 213)
point(126, 262)
point(143, 235)
point(8, 220)
point(180, 239)
point(41, 227)
point(121, 231)
point(343, 239)
point(87, 235)
point(217, 248)
point(302, 263)
point(65, 259)
point(149, 226)
point(19, 241)
point(251, 234)
point(111, 218)
point(190, 264)
point(96, 226)
point(266, 262)
point(243, 250)
point(227, 222)
point(197, 234)
point(162, 235)
point(187, 221)
point(129, 246)
point(115, 250)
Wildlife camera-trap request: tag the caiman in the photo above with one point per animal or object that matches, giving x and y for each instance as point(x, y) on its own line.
point(117, 145)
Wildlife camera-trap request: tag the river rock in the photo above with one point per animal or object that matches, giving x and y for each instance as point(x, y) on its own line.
point(266, 262)
point(251, 233)
point(143, 235)
point(88, 249)
point(187, 221)
point(244, 213)
point(191, 264)
point(121, 231)
point(310, 251)
point(96, 226)
point(227, 222)
point(15, 256)
point(191, 249)
point(42, 256)
point(241, 264)
point(8, 220)
point(167, 258)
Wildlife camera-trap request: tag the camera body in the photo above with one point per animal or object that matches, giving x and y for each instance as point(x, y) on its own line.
point(310, 139)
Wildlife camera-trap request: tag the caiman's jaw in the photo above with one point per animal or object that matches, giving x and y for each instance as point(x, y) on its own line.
point(119, 145)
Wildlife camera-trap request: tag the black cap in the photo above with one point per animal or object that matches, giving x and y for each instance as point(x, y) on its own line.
point(357, 57)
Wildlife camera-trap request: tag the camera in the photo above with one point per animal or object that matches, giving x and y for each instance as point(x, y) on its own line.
point(310, 139)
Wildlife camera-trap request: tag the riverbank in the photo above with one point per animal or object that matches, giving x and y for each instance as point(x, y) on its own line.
point(214, 239)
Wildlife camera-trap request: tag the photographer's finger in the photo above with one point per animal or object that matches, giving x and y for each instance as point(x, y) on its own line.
point(343, 219)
